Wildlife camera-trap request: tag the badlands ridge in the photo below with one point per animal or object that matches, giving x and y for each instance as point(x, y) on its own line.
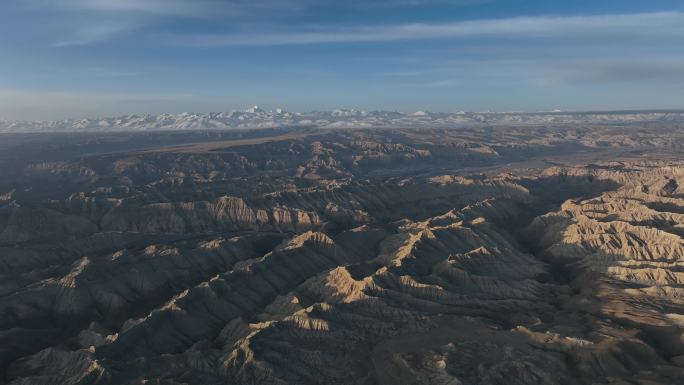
point(489, 255)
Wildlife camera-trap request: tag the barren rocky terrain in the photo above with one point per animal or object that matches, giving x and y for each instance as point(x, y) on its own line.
point(496, 254)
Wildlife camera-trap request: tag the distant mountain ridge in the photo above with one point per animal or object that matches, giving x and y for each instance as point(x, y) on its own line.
point(256, 117)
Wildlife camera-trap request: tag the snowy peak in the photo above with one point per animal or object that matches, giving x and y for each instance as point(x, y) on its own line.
point(254, 110)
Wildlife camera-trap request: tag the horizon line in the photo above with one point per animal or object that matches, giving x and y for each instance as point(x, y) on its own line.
point(552, 112)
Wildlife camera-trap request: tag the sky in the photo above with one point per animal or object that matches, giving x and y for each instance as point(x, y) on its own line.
point(88, 58)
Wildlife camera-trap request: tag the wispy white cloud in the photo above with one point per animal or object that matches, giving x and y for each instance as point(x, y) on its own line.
point(204, 7)
point(90, 33)
point(85, 22)
point(185, 8)
point(112, 18)
point(622, 26)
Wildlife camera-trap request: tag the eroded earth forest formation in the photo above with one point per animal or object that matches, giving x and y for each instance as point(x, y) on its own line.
point(505, 255)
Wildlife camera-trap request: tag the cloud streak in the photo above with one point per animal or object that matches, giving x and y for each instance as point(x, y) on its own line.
point(184, 8)
point(664, 25)
point(86, 22)
point(94, 33)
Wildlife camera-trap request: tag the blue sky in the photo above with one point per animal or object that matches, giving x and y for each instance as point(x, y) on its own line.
point(88, 58)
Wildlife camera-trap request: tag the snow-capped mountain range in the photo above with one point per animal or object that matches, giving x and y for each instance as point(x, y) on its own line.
point(256, 117)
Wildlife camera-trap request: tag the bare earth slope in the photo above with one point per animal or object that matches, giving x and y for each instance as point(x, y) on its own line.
point(489, 255)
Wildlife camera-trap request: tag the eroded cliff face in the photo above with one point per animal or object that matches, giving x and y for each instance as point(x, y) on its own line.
point(340, 258)
point(623, 251)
